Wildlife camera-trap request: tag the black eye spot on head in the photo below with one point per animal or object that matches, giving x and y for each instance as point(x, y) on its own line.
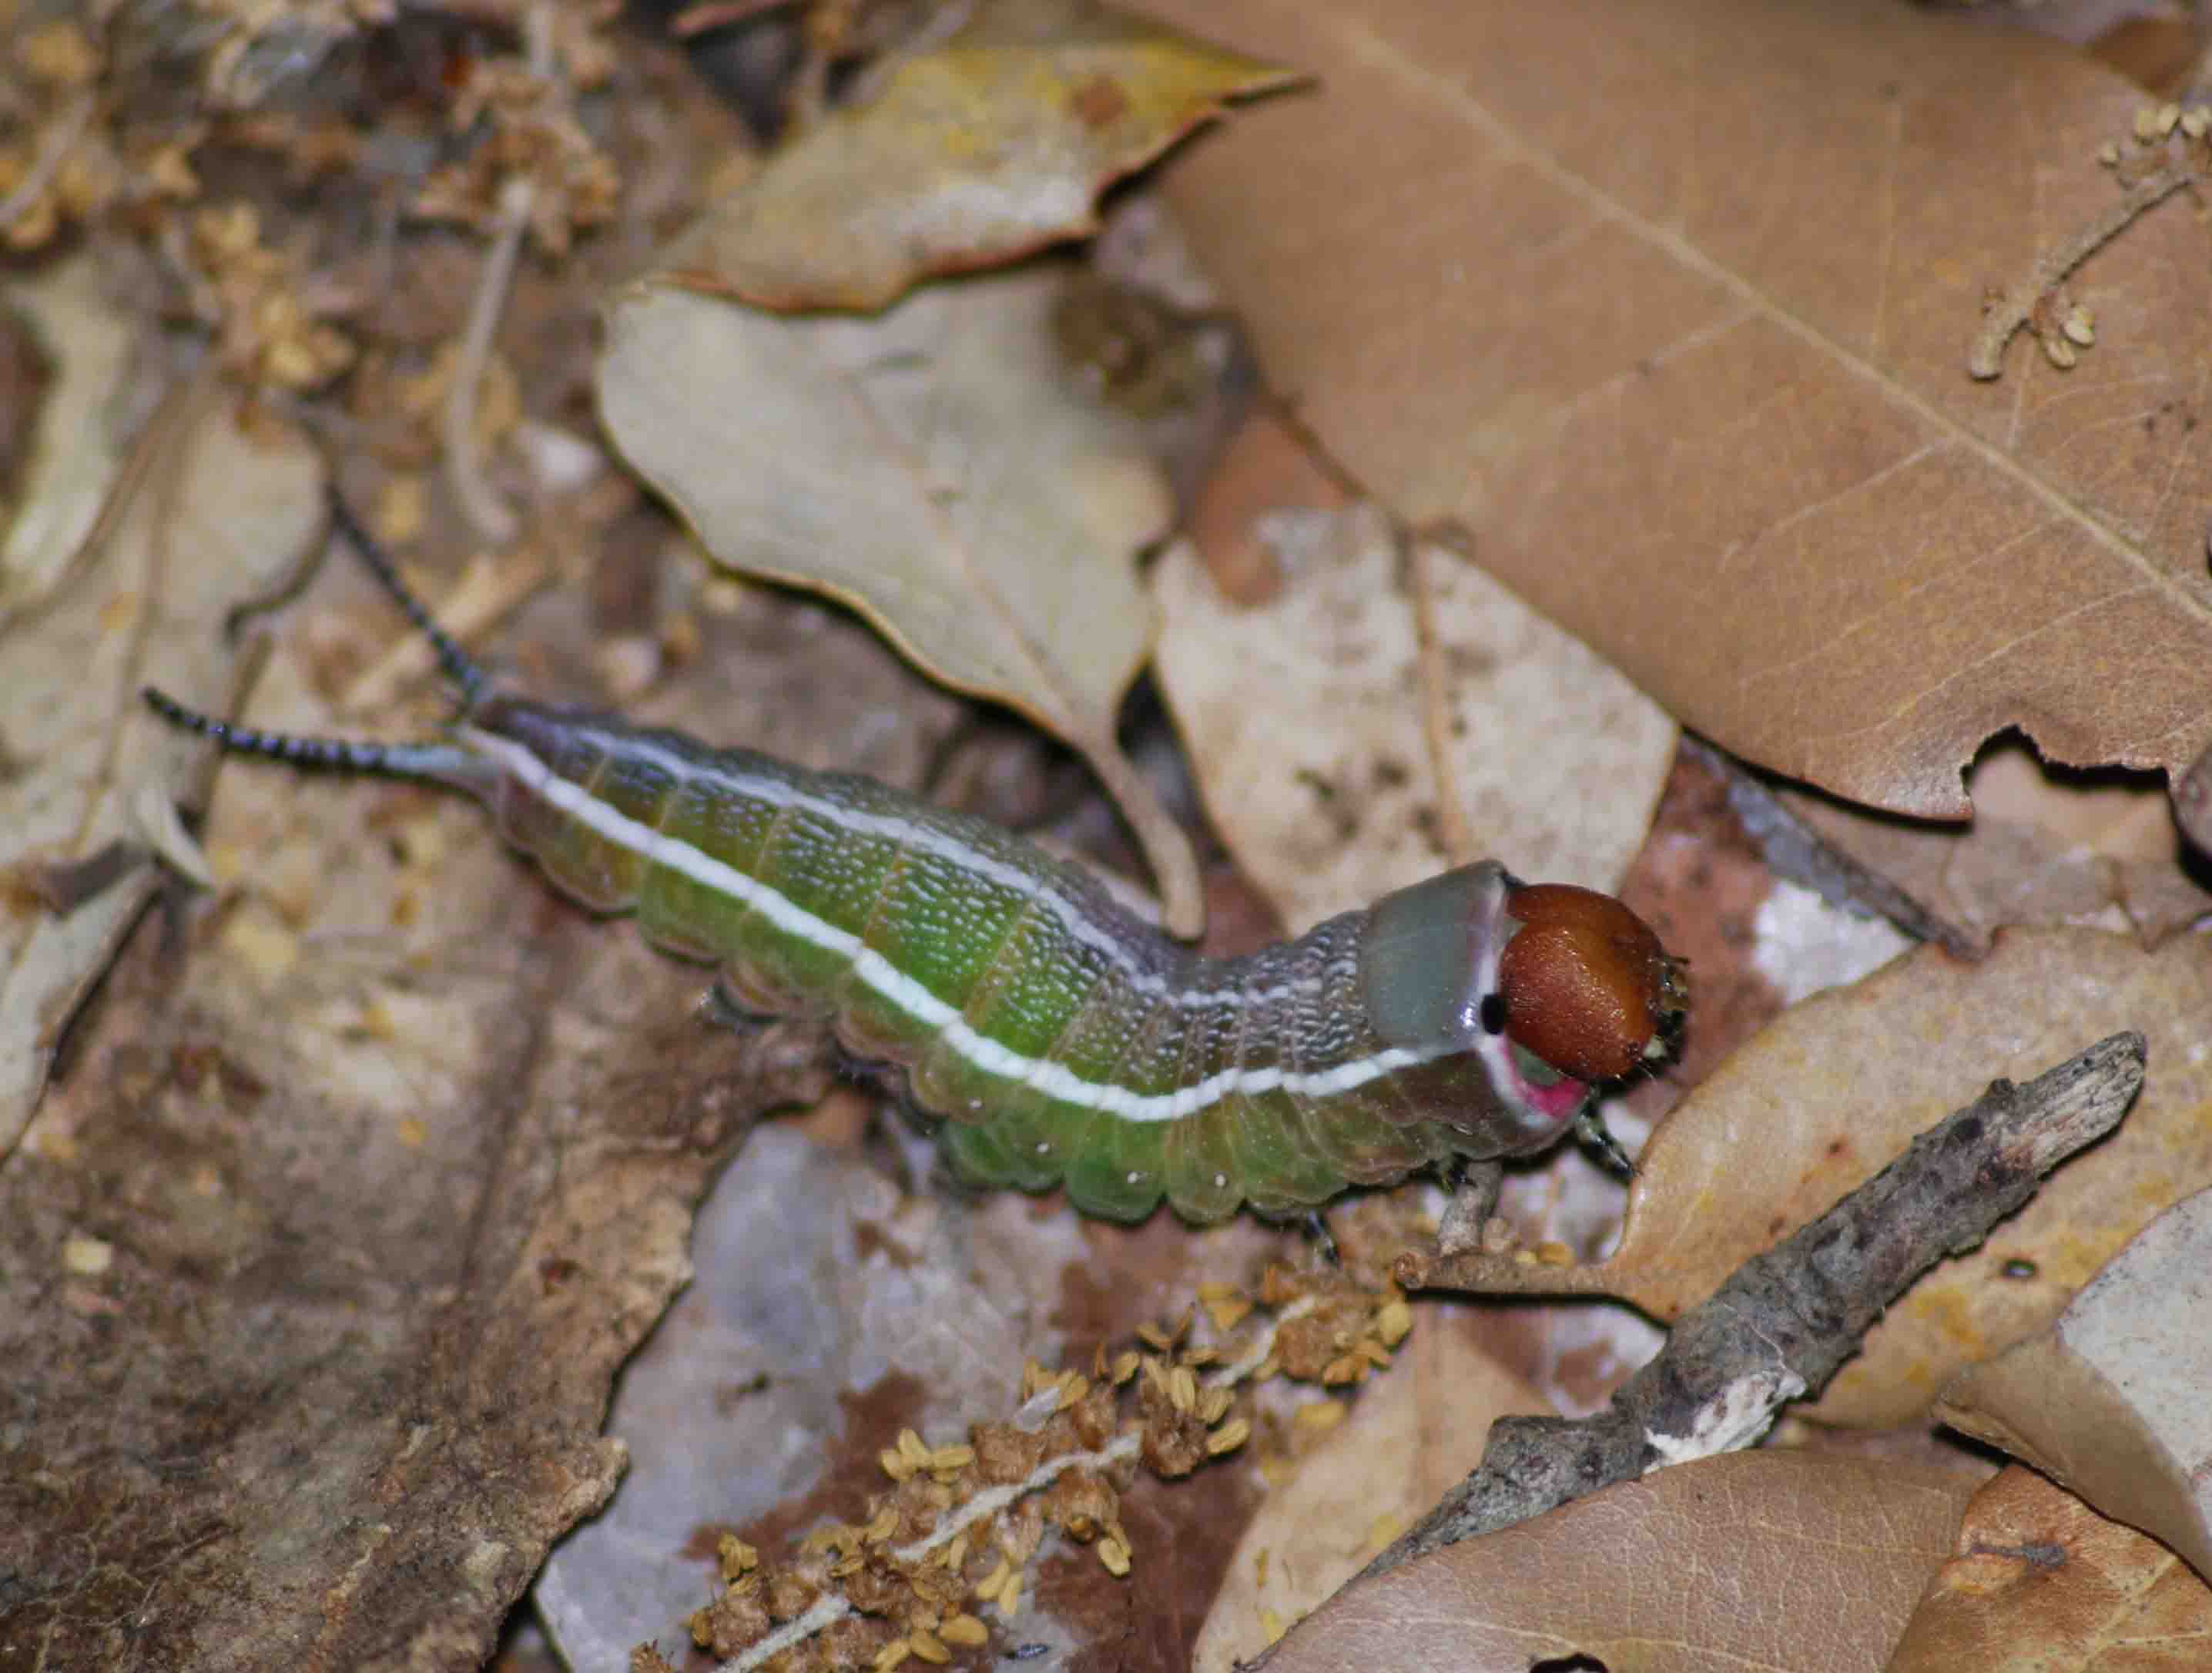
point(1493, 1014)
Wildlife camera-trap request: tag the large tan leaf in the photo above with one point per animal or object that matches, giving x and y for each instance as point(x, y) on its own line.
point(980, 150)
point(2042, 1584)
point(931, 467)
point(2111, 1401)
point(1306, 719)
point(1768, 1559)
point(1823, 1099)
point(1669, 301)
point(217, 511)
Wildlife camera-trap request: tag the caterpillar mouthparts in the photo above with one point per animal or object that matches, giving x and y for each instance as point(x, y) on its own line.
point(1587, 987)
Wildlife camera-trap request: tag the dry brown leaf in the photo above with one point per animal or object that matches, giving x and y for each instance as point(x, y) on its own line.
point(1825, 1097)
point(2039, 1583)
point(1669, 303)
point(1305, 720)
point(1412, 1434)
point(1778, 1559)
point(2040, 851)
point(990, 146)
point(930, 467)
point(2111, 1401)
point(217, 510)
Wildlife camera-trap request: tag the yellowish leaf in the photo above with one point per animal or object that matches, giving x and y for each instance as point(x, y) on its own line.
point(988, 147)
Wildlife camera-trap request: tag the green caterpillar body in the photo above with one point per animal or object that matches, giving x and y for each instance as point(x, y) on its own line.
point(1063, 1039)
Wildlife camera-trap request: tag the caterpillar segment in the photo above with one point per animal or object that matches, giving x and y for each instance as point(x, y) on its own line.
point(1062, 1040)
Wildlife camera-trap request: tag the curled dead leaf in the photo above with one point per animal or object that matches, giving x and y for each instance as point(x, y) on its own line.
point(2037, 1579)
point(980, 150)
point(221, 505)
point(2110, 1401)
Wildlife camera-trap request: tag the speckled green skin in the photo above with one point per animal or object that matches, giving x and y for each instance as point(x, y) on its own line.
point(1064, 1039)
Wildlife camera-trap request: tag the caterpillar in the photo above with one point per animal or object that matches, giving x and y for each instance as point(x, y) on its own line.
point(1063, 1040)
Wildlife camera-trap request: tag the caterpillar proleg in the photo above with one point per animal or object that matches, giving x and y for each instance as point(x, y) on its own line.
point(1062, 1039)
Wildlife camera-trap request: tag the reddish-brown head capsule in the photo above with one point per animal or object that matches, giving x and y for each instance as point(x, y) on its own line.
point(1587, 985)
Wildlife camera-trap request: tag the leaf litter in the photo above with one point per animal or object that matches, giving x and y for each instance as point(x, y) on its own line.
point(987, 147)
point(2044, 848)
point(1305, 718)
point(1725, 440)
point(98, 775)
point(382, 1062)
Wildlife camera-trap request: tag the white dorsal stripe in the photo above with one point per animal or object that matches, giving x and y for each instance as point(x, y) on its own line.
point(931, 838)
point(1054, 1080)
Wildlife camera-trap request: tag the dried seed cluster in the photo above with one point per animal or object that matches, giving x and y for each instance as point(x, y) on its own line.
point(1344, 1337)
point(2171, 152)
point(90, 148)
point(949, 1542)
point(75, 163)
point(954, 1534)
point(531, 134)
point(2166, 137)
point(269, 330)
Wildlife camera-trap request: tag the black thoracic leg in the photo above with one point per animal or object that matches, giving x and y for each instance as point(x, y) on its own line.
point(1590, 1129)
point(1474, 1187)
point(1316, 1225)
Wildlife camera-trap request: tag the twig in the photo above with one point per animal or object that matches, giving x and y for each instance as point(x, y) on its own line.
point(1985, 358)
point(1798, 852)
point(833, 1607)
point(1787, 1320)
point(1435, 716)
point(488, 514)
